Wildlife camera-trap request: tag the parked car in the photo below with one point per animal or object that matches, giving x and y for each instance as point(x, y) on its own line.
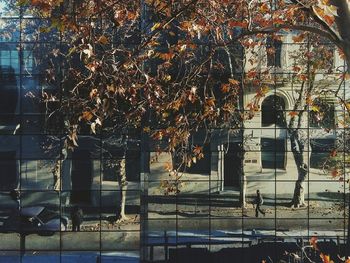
point(37, 219)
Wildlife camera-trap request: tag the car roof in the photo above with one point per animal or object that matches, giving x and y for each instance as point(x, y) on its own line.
point(31, 211)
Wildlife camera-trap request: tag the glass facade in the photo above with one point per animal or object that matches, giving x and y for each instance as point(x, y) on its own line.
point(112, 202)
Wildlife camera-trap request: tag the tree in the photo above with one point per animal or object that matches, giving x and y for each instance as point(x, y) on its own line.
point(156, 72)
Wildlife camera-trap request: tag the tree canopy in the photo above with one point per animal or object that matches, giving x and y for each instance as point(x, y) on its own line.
point(171, 68)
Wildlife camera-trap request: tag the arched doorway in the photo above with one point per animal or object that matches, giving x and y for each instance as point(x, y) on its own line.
point(272, 109)
point(273, 141)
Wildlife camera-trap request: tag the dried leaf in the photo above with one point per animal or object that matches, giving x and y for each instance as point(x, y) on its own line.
point(87, 115)
point(233, 82)
point(103, 40)
point(293, 113)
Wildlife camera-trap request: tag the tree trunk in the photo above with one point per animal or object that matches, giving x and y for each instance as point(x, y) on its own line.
point(123, 185)
point(298, 196)
point(243, 190)
point(348, 237)
point(298, 150)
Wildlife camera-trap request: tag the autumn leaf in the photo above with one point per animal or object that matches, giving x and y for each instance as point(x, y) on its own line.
point(93, 93)
point(346, 76)
point(111, 88)
point(87, 115)
point(131, 15)
point(225, 88)
point(146, 129)
point(326, 258)
point(34, 2)
point(299, 37)
point(103, 40)
point(166, 56)
point(309, 100)
point(335, 173)
point(168, 166)
point(347, 106)
point(233, 82)
point(315, 108)
point(252, 74)
point(264, 8)
point(296, 68)
point(313, 242)
point(302, 77)
point(210, 102)
point(262, 91)
point(329, 19)
point(293, 113)
point(197, 150)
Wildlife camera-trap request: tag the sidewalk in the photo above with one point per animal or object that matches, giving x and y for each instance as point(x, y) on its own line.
point(71, 258)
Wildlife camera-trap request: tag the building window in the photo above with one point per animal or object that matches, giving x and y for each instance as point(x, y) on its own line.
point(8, 94)
point(322, 114)
point(273, 52)
point(273, 153)
point(320, 150)
point(200, 166)
point(111, 168)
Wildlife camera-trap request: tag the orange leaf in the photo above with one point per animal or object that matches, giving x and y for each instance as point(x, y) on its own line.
point(309, 100)
point(335, 173)
point(225, 88)
point(264, 8)
point(326, 258)
point(103, 40)
point(302, 77)
point(313, 242)
point(329, 19)
point(166, 56)
point(197, 149)
point(233, 81)
point(147, 129)
point(168, 166)
point(237, 23)
point(87, 115)
point(35, 2)
point(293, 113)
point(252, 74)
point(131, 15)
point(296, 68)
point(298, 38)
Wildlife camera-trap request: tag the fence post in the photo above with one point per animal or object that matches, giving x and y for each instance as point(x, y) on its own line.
point(338, 244)
point(166, 245)
point(151, 253)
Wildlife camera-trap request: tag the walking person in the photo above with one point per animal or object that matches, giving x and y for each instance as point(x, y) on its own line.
point(258, 202)
point(77, 218)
